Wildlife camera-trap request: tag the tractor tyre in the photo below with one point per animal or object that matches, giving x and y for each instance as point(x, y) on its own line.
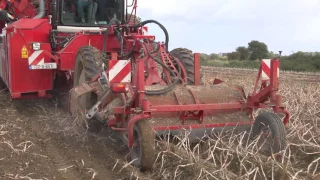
point(87, 65)
point(187, 59)
point(143, 151)
point(271, 132)
point(3, 85)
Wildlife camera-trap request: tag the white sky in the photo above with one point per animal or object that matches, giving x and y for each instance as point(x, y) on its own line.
point(222, 25)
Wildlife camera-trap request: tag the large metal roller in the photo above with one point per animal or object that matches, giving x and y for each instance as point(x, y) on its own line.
point(173, 122)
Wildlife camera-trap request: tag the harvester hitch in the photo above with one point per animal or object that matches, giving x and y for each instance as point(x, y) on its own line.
point(91, 112)
point(104, 83)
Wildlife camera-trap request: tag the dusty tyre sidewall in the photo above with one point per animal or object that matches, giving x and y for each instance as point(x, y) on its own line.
point(146, 152)
point(276, 128)
point(93, 62)
point(3, 85)
point(88, 58)
point(186, 58)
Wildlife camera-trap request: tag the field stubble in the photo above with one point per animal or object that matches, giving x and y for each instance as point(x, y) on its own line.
point(38, 141)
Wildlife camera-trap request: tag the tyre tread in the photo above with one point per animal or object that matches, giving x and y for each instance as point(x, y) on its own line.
point(186, 58)
point(276, 125)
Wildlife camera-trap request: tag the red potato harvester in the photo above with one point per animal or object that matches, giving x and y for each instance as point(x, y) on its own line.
point(119, 77)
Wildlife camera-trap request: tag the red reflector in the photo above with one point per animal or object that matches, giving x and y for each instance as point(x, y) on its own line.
point(120, 88)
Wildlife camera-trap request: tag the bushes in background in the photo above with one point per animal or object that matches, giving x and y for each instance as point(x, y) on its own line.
point(250, 57)
point(306, 65)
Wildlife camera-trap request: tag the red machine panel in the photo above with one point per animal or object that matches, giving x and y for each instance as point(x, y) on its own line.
point(22, 80)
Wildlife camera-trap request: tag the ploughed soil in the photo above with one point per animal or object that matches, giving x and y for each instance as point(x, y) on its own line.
point(38, 141)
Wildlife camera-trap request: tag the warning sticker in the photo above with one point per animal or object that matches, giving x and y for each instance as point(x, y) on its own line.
point(24, 52)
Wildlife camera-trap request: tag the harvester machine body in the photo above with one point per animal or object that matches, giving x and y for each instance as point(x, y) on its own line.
point(196, 107)
point(123, 79)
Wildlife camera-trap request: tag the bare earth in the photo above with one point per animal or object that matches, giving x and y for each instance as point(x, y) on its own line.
point(38, 141)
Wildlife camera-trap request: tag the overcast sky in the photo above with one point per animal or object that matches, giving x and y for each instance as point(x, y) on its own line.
point(222, 25)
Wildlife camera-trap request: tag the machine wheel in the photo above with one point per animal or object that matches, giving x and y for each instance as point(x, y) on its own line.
point(143, 152)
point(119, 100)
point(272, 131)
point(3, 85)
point(87, 65)
point(186, 58)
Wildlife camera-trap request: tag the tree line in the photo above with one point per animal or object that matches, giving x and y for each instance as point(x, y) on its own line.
point(254, 51)
point(251, 55)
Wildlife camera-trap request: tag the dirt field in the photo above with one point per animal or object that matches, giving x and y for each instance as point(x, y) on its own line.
point(38, 141)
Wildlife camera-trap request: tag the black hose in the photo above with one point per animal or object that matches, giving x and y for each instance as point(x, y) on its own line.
point(166, 40)
point(120, 39)
point(54, 9)
point(130, 51)
point(164, 90)
point(157, 49)
point(161, 26)
point(148, 92)
point(105, 38)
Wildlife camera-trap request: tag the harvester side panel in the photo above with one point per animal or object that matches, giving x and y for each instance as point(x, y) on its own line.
point(17, 75)
point(68, 54)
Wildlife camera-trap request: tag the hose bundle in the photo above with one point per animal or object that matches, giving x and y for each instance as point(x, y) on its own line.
point(147, 92)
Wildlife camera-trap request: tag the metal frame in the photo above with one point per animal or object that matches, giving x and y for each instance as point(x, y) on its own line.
point(266, 97)
point(139, 104)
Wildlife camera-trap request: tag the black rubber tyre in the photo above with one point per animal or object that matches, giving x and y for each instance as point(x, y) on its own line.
point(3, 85)
point(269, 124)
point(88, 62)
point(143, 152)
point(186, 58)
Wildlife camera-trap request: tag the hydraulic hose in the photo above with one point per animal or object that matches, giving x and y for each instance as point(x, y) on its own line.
point(148, 92)
point(157, 49)
point(105, 38)
point(161, 26)
point(120, 38)
point(171, 86)
point(130, 51)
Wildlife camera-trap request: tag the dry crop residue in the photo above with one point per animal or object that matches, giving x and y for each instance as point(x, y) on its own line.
point(38, 141)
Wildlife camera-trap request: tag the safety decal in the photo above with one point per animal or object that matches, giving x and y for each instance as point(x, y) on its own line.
point(24, 52)
point(36, 61)
point(266, 69)
point(119, 71)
